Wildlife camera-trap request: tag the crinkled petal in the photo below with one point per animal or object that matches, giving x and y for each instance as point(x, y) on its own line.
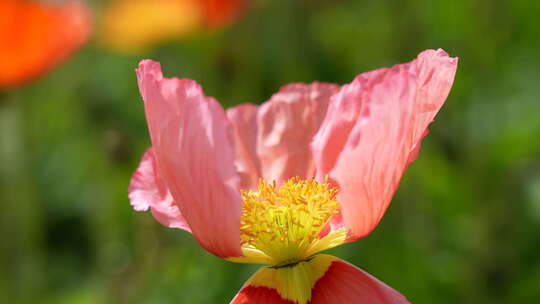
point(243, 119)
point(286, 126)
point(322, 280)
point(373, 131)
point(146, 190)
point(193, 145)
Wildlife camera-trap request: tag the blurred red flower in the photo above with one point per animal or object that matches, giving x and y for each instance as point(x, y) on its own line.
point(36, 36)
point(218, 12)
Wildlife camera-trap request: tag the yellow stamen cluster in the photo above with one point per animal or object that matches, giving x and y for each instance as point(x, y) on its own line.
point(284, 222)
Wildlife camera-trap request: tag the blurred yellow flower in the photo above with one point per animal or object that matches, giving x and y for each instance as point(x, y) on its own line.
point(132, 26)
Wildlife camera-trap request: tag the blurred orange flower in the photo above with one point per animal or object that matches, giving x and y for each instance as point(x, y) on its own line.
point(36, 36)
point(134, 25)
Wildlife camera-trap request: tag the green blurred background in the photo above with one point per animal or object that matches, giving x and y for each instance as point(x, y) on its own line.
point(463, 227)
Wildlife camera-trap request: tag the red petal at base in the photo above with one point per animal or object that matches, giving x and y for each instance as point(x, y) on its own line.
point(345, 283)
point(322, 280)
point(259, 295)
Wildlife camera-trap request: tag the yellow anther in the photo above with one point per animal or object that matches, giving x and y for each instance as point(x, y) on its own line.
point(285, 222)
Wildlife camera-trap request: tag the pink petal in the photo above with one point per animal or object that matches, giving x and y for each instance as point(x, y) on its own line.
point(192, 141)
point(286, 126)
point(243, 119)
point(345, 283)
point(146, 190)
point(373, 130)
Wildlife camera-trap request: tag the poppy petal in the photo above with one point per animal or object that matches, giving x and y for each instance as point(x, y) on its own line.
point(194, 151)
point(346, 283)
point(243, 119)
point(373, 131)
point(288, 284)
point(286, 126)
point(146, 190)
point(322, 280)
point(259, 295)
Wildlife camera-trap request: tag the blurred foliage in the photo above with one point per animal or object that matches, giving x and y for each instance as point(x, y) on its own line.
point(463, 227)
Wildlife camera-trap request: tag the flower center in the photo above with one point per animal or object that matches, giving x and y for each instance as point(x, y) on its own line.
point(284, 223)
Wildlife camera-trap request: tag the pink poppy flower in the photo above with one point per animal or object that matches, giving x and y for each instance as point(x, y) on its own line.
point(312, 168)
